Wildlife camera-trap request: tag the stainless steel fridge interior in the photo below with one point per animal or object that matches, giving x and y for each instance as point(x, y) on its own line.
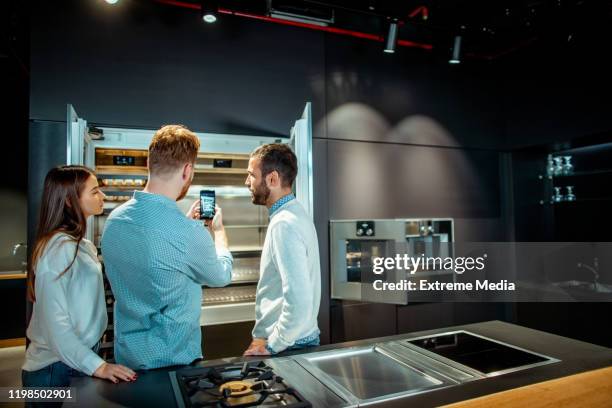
point(119, 157)
point(354, 245)
point(121, 171)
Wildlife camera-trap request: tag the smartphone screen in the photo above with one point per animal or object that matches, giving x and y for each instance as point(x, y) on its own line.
point(207, 204)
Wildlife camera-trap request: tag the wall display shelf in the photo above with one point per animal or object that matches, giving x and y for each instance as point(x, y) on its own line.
point(586, 179)
point(542, 211)
point(580, 174)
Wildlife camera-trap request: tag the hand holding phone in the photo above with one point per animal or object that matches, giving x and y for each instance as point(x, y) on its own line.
point(207, 204)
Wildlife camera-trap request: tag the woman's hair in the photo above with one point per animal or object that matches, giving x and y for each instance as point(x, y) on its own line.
point(60, 211)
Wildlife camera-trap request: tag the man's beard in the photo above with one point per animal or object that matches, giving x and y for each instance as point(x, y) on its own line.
point(184, 191)
point(260, 194)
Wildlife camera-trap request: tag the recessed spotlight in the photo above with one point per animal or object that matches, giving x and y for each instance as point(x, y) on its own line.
point(112, 1)
point(209, 18)
point(209, 11)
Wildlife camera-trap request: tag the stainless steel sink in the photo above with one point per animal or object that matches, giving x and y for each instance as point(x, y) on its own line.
point(576, 284)
point(586, 291)
point(390, 370)
point(370, 374)
point(603, 288)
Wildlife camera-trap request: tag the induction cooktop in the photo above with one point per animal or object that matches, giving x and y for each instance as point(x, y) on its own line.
point(487, 356)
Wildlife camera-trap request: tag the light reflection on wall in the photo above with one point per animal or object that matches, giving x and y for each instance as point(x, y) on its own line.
point(367, 181)
point(449, 170)
point(343, 85)
point(356, 121)
point(421, 129)
point(418, 172)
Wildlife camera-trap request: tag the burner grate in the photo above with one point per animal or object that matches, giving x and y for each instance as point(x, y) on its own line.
point(250, 384)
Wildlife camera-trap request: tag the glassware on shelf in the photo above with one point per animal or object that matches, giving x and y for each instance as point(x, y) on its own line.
point(570, 194)
point(550, 166)
point(568, 167)
point(558, 166)
point(557, 197)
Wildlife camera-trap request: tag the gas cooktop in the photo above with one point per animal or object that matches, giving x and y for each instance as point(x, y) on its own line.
point(250, 384)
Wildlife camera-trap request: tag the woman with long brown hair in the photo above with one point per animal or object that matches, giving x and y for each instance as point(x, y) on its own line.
point(65, 284)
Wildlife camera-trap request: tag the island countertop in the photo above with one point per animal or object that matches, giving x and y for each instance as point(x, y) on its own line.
point(153, 387)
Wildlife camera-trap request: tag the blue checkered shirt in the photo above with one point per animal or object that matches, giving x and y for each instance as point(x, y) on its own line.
point(157, 260)
point(279, 203)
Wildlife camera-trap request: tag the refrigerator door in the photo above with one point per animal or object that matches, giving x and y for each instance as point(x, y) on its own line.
point(79, 150)
point(301, 143)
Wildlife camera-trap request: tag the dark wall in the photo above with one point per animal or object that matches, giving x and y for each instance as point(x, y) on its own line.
point(411, 97)
point(48, 140)
point(142, 64)
point(557, 94)
point(402, 135)
point(14, 78)
point(410, 136)
point(559, 88)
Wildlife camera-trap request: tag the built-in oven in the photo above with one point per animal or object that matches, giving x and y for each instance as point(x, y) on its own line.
point(358, 249)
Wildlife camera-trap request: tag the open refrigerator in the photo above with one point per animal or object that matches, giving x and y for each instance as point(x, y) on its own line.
point(119, 157)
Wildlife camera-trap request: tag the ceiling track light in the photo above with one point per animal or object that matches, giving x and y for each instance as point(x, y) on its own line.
point(391, 40)
point(456, 56)
point(209, 11)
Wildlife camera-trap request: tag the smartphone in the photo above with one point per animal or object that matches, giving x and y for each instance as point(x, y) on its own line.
point(207, 204)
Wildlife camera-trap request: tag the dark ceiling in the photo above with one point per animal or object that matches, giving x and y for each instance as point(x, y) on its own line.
point(490, 28)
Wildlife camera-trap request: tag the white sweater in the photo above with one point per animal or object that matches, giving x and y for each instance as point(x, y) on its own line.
point(289, 289)
point(69, 314)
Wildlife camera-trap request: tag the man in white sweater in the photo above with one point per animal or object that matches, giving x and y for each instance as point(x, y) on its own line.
point(289, 289)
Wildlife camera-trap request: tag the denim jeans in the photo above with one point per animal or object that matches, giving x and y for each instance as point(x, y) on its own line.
point(54, 375)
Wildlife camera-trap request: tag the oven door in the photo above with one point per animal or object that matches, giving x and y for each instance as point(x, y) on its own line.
point(353, 251)
point(355, 244)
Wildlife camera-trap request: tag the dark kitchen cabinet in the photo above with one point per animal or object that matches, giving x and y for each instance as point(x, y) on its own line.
point(356, 321)
point(424, 316)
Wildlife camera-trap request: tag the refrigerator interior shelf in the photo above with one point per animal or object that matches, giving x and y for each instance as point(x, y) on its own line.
point(219, 170)
point(227, 313)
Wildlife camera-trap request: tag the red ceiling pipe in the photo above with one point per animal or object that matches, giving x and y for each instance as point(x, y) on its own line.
point(180, 4)
point(424, 11)
point(333, 30)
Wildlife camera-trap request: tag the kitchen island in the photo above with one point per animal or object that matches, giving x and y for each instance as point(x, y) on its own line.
point(153, 388)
